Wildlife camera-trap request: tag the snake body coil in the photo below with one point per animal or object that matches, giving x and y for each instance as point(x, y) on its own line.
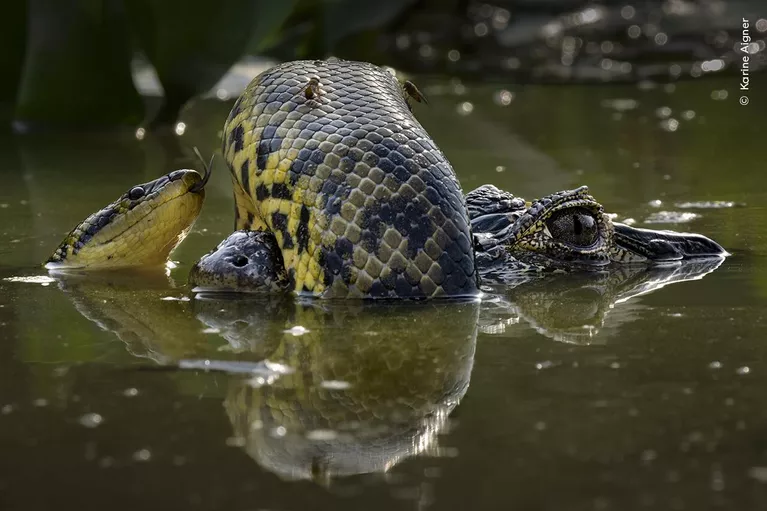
point(327, 156)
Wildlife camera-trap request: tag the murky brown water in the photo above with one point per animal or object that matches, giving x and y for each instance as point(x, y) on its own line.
point(641, 390)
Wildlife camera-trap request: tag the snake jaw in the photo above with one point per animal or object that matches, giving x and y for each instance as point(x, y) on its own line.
point(134, 232)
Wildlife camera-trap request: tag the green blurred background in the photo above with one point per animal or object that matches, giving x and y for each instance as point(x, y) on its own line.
point(78, 64)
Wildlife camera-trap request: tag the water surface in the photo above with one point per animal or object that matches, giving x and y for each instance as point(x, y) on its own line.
point(635, 390)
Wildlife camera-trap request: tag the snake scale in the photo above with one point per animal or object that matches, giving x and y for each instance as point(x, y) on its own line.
point(328, 156)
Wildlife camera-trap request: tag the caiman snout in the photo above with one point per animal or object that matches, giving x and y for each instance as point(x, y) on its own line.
point(663, 246)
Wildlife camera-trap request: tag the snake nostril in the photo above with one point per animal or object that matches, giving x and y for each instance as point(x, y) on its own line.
point(240, 261)
point(175, 175)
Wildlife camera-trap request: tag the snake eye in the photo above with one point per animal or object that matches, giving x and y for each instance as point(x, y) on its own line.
point(575, 226)
point(239, 261)
point(136, 193)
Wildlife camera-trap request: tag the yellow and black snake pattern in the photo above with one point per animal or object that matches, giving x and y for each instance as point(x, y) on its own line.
point(327, 156)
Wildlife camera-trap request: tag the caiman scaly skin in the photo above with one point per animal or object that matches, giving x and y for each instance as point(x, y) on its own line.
point(327, 156)
point(568, 231)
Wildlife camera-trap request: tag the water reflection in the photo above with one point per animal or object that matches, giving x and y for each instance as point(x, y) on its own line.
point(365, 385)
point(372, 384)
point(144, 309)
point(318, 390)
point(573, 308)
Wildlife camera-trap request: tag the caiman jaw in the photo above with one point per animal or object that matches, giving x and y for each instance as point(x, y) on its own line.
point(632, 244)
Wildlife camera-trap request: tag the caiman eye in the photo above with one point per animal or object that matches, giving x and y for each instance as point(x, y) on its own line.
point(575, 226)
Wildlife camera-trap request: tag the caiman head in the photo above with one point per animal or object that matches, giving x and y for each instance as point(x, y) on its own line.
point(569, 230)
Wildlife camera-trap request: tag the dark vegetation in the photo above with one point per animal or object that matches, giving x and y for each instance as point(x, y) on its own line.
point(67, 63)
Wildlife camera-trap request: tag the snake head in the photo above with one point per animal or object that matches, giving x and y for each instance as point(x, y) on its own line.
point(246, 261)
point(140, 228)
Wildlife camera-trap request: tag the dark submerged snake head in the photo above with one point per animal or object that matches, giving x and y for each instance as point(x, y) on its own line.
point(246, 261)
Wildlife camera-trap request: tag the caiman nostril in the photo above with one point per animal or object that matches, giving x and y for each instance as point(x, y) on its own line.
point(240, 261)
point(136, 193)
